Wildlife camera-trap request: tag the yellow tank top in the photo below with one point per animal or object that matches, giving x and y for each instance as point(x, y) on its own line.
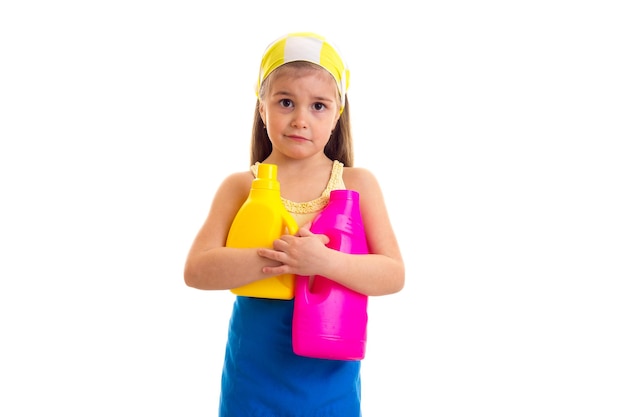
point(307, 210)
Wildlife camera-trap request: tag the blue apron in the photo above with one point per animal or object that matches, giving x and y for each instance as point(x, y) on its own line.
point(262, 377)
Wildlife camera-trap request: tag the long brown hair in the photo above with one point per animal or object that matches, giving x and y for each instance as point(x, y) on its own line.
point(339, 146)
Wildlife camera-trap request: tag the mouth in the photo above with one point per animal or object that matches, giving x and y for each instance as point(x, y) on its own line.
point(298, 138)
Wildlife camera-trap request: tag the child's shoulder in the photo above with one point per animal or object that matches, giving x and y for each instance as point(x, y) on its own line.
point(237, 182)
point(240, 177)
point(358, 178)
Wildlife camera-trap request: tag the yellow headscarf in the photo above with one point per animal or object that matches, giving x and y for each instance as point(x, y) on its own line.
point(310, 47)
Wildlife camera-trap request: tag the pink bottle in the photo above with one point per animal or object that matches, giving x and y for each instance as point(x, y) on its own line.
point(330, 320)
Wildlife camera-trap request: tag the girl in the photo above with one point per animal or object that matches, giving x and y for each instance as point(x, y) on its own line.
point(302, 125)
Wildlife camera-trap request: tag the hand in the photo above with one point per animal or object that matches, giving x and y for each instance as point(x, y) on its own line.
point(301, 254)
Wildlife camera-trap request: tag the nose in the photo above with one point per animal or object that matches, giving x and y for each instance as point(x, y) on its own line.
point(299, 118)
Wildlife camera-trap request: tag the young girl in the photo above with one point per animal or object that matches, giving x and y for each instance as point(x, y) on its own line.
point(302, 125)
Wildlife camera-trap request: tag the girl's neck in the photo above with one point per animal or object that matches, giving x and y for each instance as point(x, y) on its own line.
point(301, 166)
point(302, 179)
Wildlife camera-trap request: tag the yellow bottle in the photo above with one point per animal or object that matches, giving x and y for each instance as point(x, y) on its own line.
point(262, 219)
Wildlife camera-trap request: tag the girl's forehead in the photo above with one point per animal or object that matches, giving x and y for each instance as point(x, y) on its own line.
point(300, 70)
point(290, 74)
point(303, 77)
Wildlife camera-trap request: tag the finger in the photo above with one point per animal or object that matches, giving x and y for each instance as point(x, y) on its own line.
point(325, 239)
point(280, 244)
point(304, 230)
point(276, 270)
point(270, 254)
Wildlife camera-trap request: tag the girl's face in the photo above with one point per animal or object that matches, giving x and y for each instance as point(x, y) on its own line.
point(300, 109)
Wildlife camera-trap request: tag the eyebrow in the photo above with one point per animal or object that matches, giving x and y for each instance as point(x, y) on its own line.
point(288, 94)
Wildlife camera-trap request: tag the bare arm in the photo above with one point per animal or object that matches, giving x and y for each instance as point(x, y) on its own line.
point(378, 273)
point(212, 266)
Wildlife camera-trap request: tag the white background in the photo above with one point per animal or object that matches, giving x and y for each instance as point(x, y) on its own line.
point(496, 129)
